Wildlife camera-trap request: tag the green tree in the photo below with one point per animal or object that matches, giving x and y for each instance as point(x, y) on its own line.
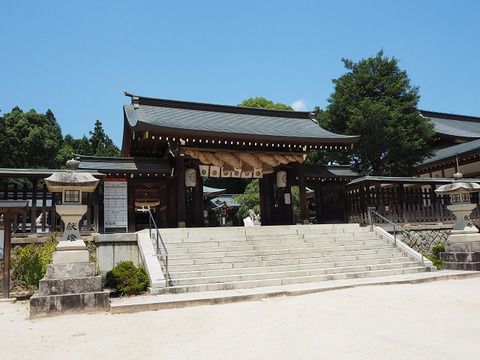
point(250, 199)
point(375, 100)
point(29, 139)
point(100, 143)
point(261, 102)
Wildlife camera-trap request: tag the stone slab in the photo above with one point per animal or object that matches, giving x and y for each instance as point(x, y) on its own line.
point(73, 270)
point(68, 257)
point(70, 286)
point(460, 256)
point(468, 266)
point(71, 245)
point(463, 244)
point(68, 303)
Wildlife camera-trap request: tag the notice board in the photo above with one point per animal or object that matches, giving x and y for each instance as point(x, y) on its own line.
point(115, 203)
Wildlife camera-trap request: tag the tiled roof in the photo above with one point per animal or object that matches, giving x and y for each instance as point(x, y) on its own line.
point(329, 171)
point(452, 151)
point(124, 164)
point(454, 125)
point(219, 120)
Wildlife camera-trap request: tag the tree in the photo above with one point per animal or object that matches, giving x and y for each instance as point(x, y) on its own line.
point(98, 144)
point(250, 199)
point(101, 144)
point(375, 100)
point(29, 139)
point(261, 102)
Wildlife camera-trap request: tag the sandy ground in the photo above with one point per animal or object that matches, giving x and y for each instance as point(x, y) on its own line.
point(439, 320)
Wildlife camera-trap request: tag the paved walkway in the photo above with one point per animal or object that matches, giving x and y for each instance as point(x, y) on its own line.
point(436, 320)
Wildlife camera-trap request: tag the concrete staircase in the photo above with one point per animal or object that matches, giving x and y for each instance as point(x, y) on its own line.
point(208, 259)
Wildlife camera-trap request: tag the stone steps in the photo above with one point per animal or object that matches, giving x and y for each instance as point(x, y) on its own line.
point(286, 274)
point(288, 281)
point(192, 259)
point(216, 259)
point(206, 253)
point(289, 261)
point(202, 272)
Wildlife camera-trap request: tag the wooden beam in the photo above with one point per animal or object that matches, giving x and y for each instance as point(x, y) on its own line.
point(304, 213)
point(7, 236)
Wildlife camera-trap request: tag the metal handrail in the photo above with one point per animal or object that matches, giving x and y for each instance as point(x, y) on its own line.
point(395, 226)
point(158, 237)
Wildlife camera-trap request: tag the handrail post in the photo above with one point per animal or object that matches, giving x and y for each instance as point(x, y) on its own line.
point(369, 214)
point(395, 235)
point(150, 223)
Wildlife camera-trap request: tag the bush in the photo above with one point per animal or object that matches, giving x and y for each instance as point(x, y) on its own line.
point(29, 263)
point(435, 256)
point(437, 249)
point(127, 278)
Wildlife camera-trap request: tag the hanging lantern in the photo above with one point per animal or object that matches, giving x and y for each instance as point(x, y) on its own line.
point(281, 179)
point(190, 177)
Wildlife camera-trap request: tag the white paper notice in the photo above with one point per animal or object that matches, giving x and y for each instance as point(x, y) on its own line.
point(115, 204)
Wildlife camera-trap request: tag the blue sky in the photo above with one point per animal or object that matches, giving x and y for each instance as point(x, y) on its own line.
point(77, 57)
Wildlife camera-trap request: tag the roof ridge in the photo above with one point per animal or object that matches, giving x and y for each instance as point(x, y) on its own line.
point(449, 116)
point(191, 105)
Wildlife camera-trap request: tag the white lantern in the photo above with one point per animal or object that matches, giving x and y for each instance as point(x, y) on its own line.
point(281, 179)
point(190, 177)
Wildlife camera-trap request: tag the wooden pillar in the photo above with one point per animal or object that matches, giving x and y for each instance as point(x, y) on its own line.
point(95, 210)
point(44, 207)
point(33, 213)
point(304, 213)
point(131, 206)
point(265, 188)
point(318, 202)
point(180, 171)
point(7, 236)
point(24, 214)
point(199, 199)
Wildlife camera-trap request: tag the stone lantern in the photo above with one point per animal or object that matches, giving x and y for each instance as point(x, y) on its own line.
point(462, 251)
point(71, 185)
point(70, 282)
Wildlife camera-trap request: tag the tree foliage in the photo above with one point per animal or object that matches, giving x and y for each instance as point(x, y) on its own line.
point(375, 100)
point(98, 144)
point(261, 102)
point(34, 140)
point(29, 139)
point(250, 199)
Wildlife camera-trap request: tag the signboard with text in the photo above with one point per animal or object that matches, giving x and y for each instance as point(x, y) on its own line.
point(115, 203)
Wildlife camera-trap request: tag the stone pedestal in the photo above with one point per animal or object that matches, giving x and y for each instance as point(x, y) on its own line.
point(70, 283)
point(462, 251)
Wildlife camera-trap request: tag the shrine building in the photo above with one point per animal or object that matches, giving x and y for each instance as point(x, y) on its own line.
point(169, 147)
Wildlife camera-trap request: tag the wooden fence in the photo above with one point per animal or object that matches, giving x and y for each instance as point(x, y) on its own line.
point(400, 204)
point(40, 215)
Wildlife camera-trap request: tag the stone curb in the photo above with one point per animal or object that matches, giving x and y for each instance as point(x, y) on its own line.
point(158, 302)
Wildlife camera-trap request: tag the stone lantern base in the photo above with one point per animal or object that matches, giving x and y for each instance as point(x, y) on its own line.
point(462, 251)
point(70, 283)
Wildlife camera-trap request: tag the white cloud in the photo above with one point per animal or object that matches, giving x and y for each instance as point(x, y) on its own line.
point(299, 105)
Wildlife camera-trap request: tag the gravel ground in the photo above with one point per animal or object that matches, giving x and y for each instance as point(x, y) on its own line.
point(438, 320)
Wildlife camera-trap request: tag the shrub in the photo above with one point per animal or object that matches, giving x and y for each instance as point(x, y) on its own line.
point(29, 263)
point(435, 255)
point(127, 278)
point(437, 249)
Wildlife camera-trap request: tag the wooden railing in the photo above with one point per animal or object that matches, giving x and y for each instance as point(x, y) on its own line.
point(400, 204)
point(40, 215)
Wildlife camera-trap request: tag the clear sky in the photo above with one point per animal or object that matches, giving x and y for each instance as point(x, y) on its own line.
point(77, 57)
